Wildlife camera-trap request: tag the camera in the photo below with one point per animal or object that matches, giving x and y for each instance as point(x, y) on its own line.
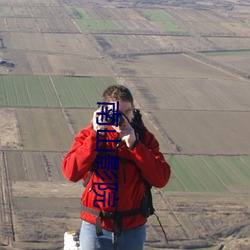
point(115, 118)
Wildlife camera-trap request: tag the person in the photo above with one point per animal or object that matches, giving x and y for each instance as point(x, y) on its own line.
point(115, 163)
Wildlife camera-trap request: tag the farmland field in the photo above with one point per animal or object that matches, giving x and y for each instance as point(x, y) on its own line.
point(39, 130)
point(144, 44)
point(162, 20)
point(224, 43)
point(209, 173)
point(49, 25)
point(111, 20)
point(114, 13)
point(216, 132)
point(208, 22)
point(54, 54)
point(96, 25)
point(236, 59)
point(55, 91)
point(23, 166)
point(65, 65)
point(52, 44)
point(10, 136)
point(159, 83)
point(167, 65)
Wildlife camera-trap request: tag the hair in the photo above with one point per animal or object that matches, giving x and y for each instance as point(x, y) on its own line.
point(117, 93)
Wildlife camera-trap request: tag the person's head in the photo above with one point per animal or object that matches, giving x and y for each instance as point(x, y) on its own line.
point(121, 94)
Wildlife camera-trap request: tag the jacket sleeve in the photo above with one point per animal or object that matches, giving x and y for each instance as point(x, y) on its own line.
point(151, 161)
point(78, 160)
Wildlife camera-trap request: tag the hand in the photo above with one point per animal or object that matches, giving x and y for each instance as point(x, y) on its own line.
point(98, 126)
point(126, 132)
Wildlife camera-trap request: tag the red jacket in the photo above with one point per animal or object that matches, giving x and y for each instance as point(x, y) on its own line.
point(144, 159)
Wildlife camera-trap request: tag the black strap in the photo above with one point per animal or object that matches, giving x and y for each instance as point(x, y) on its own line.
point(98, 227)
point(110, 215)
point(117, 216)
point(86, 181)
point(99, 214)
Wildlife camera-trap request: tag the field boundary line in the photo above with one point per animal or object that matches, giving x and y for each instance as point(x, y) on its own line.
point(79, 29)
point(7, 206)
point(248, 167)
point(54, 87)
point(197, 177)
point(174, 213)
point(214, 172)
point(216, 67)
point(42, 88)
point(205, 110)
point(47, 53)
point(69, 123)
point(14, 85)
point(182, 184)
point(25, 166)
point(65, 115)
point(71, 19)
point(69, 89)
point(96, 84)
point(80, 85)
point(232, 171)
point(27, 89)
point(175, 148)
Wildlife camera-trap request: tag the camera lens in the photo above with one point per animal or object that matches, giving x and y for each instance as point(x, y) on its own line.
point(115, 118)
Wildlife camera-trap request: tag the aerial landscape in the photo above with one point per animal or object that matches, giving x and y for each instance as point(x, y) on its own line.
point(187, 63)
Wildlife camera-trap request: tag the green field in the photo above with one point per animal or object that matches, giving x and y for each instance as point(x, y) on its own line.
point(79, 13)
point(156, 15)
point(55, 91)
point(226, 53)
point(208, 173)
point(92, 25)
point(87, 23)
point(161, 19)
